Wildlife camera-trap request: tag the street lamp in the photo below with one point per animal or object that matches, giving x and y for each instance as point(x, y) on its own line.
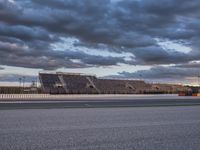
point(23, 82)
point(20, 82)
point(198, 82)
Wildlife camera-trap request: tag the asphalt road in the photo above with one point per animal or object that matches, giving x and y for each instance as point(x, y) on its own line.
point(130, 128)
point(100, 102)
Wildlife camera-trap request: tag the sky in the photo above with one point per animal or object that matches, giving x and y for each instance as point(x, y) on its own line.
point(152, 40)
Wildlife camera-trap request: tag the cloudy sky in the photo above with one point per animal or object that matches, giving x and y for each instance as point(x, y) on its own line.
point(155, 40)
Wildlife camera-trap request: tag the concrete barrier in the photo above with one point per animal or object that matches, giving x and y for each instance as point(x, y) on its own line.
point(25, 96)
point(4, 97)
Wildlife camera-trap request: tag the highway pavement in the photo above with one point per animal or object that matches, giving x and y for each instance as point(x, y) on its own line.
point(100, 101)
point(124, 128)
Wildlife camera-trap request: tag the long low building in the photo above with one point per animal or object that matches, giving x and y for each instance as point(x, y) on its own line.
point(73, 83)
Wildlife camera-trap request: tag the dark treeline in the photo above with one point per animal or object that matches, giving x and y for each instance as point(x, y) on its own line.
point(19, 90)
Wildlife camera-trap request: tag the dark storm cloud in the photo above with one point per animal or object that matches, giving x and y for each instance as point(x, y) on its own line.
point(172, 74)
point(15, 77)
point(25, 33)
point(23, 56)
point(28, 28)
point(161, 73)
point(193, 65)
point(156, 55)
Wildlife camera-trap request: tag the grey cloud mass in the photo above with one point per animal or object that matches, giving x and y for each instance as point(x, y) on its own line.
point(173, 74)
point(15, 77)
point(162, 73)
point(28, 29)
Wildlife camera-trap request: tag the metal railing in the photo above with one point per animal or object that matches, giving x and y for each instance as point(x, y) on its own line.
point(29, 96)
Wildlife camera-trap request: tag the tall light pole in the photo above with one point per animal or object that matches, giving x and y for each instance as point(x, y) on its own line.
point(23, 82)
point(140, 76)
point(37, 84)
point(198, 82)
point(20, 82)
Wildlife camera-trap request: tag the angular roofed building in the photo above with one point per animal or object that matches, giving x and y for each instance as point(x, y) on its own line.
point(73, 83)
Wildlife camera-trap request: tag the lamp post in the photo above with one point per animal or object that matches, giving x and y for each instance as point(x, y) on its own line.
point(23, 82)
point(198, 77)
point(20, 82)
point(37, 84)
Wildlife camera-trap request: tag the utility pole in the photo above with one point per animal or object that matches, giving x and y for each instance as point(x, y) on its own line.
point(37, 84)
point(198, 82)
point(23, 82)
point(140, 76)
point(20, 82)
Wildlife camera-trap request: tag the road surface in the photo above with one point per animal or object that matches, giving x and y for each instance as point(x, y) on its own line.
point(96, 101)
point(125, 128)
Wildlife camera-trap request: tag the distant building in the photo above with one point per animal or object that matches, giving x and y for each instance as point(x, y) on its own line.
point(73, 83)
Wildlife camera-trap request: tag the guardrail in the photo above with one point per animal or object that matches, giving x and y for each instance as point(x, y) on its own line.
point(29, 96)
point(76, 96)
point(42, 96)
